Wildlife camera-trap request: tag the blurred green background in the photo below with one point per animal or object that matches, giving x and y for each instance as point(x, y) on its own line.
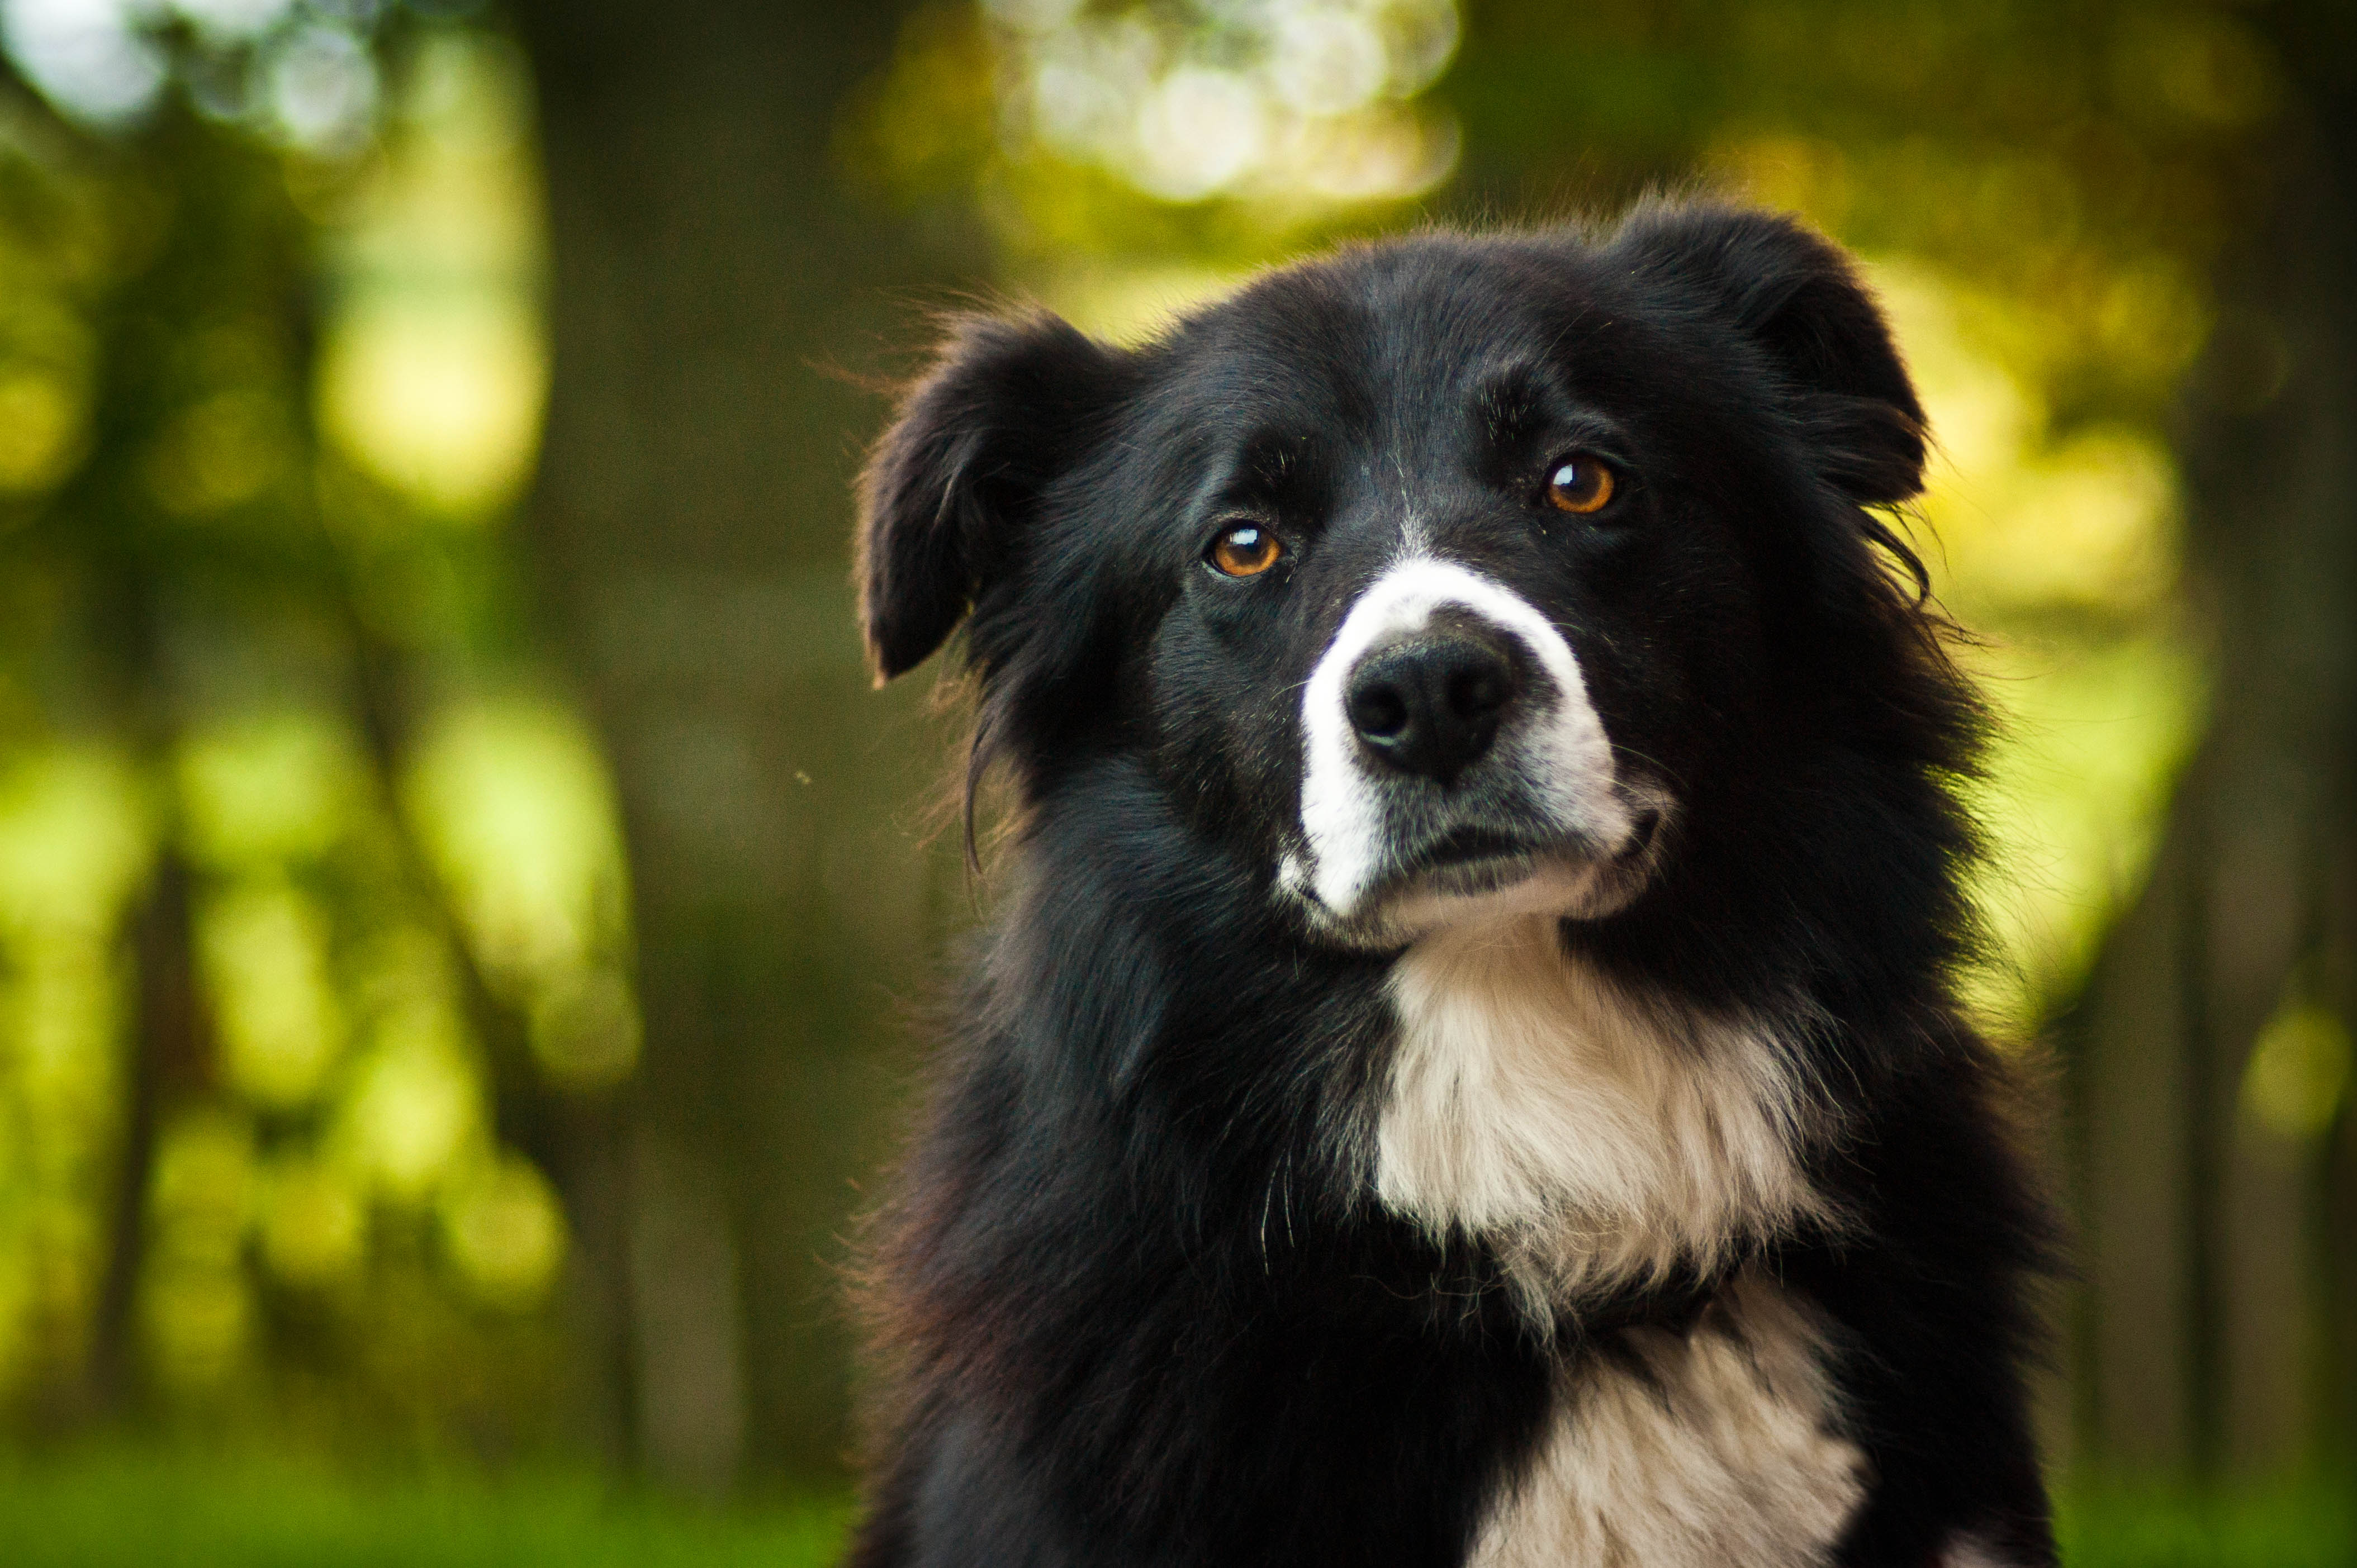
point(466, 926)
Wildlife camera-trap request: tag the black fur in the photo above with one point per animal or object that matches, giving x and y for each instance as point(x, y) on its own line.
point(1136, 1303)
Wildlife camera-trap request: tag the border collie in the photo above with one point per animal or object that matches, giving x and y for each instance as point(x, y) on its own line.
point(1467, 1070)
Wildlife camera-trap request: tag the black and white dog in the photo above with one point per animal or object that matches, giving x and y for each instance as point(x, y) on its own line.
point(1467, 1071)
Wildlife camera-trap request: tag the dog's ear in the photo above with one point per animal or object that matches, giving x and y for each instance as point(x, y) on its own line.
point(1799, 298)
point(1003, 410)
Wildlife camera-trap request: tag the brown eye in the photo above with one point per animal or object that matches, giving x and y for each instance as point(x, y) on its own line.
point(1246, 550)
point(1580, 485)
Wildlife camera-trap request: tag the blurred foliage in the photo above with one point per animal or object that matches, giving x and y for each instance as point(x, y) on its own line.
point(271, 341)
point(1167, 134)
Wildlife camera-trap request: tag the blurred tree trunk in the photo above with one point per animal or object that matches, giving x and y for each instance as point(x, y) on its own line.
point(691, 522)
point(167, 1065)
point(2336, 1226)
point(2218, 1256)
point(230, 244)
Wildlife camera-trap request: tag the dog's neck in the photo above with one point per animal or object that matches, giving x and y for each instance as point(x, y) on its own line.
point(1599, 1140)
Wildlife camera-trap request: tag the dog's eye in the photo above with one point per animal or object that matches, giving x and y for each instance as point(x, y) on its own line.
point(1580, 485)
point(1246, 551)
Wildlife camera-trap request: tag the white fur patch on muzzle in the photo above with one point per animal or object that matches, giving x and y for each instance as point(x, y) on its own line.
point(1547, 780)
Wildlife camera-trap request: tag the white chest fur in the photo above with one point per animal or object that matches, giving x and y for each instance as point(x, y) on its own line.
point(1591, 1136)
point(1714, 1446)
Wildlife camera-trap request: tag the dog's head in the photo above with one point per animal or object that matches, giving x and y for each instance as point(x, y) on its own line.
point(1438, 579)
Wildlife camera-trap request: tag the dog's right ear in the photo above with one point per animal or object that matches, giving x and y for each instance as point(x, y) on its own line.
point(1006, 407)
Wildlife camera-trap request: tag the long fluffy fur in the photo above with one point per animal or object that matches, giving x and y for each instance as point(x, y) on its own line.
point(1684, 1231)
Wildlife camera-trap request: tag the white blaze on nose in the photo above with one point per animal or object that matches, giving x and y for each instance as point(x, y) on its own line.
point(1562, 750)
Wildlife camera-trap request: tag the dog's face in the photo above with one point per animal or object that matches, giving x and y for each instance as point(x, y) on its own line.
point(1406, 600)
point(1441, 580)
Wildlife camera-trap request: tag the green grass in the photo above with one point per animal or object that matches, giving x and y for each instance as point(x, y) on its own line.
point(149, 1508)
point(2311, 1525)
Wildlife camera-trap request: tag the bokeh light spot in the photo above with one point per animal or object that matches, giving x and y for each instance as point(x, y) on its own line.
point(505, 1232)
point(276, 787)
point(414, 1106)
point(40, 431)
point(2298, 1072)
point(314, 1225)
point(263, 944)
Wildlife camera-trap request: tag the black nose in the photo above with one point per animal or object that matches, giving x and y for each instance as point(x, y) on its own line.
point(1430, 705)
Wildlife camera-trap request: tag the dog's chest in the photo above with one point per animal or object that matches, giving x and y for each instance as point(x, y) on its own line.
point(1688, 1450)
point(1593, 1138)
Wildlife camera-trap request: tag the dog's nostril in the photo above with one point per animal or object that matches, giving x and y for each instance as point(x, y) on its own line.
point(1480, 692)
point(1378, 712)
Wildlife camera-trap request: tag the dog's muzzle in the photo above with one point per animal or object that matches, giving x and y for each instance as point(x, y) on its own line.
point(1453, 765)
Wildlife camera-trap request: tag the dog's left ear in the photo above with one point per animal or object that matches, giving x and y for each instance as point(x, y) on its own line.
point(959, 474)
point(1799, 298)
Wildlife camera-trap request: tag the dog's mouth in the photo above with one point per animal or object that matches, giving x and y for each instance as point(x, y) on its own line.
point(1482, 851)
point(1470, 861)
point(1506, 863)
point(1466, 846)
